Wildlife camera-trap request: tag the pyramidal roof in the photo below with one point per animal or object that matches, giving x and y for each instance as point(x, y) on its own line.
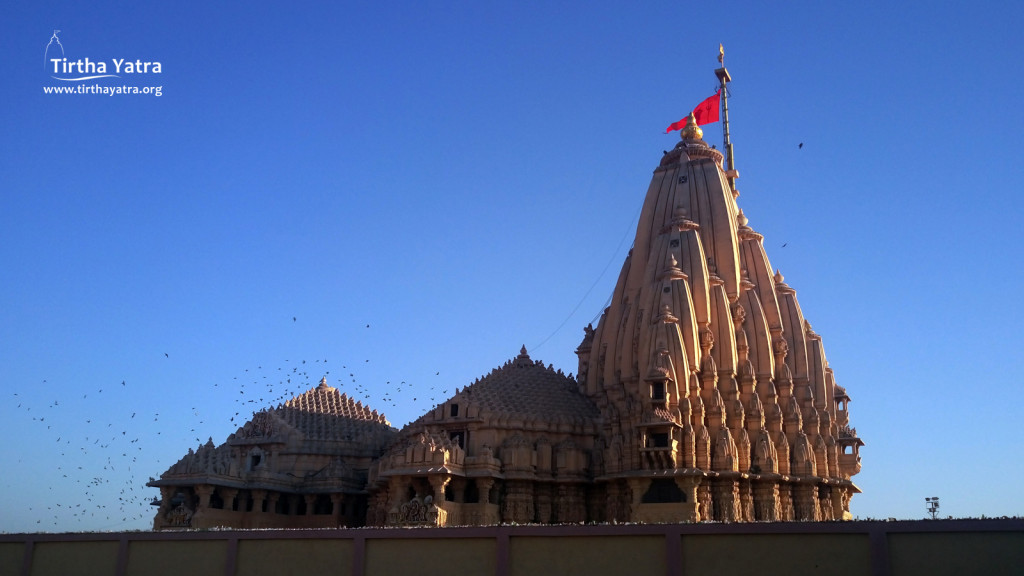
point(523, 388)
point(321, 413)
point(325, 399)
point(319, 419)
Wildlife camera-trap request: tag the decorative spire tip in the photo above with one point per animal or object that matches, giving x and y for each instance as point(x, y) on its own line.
point(691, 132)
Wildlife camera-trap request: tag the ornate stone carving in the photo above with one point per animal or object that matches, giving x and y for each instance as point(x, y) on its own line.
point(418, 511)
point(179, 517)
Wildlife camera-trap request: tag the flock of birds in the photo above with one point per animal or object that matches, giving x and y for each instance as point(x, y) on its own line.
point(94, 475)
point(107, 441)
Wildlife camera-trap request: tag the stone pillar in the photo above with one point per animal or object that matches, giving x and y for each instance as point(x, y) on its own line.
point(570, 506)
point(611, 506)
point(725, 494)
point(482, 514)
point(594, 496)
point(706, 512)
point(336, 499)
point(166, 495)
point(766, 501)
point(374, 502)
point(437, 484)
point(841, 503)
point(383, 506)
point(379, 510)
point(272, 499)
point(518, 504)
point(483, 486)
point(805, 502)
point(459, 489)
point(639, 487)
point(688, 485)
point(542, 503)
point(825, 504)
point(204, 491)
point(228, 495)
point(746, 502)
point(786, 503)
point(396, 485)
point(258, 496)
point(310, 500)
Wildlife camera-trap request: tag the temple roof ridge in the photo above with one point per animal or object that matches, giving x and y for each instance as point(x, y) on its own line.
point(523, 387)
point(325, 399)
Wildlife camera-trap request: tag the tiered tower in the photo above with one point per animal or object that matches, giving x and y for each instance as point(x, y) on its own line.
point(717, 401)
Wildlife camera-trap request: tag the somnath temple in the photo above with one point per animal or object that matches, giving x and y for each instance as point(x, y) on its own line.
point(702, 394)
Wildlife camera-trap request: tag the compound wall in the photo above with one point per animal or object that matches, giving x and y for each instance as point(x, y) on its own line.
point(960, 547)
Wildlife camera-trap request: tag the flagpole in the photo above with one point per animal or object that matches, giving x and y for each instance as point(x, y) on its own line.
point(723, 77)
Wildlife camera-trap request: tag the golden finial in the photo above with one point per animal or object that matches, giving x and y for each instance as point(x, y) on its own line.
point(721, 54)
point(691, 131)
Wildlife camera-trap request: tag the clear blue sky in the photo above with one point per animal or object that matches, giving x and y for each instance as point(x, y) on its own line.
point(458, 176)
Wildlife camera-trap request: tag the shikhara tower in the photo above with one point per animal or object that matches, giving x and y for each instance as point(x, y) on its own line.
point(716, 400)
point(703, 394)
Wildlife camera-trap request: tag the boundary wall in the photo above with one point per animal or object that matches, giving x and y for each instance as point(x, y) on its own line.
point(960, 547)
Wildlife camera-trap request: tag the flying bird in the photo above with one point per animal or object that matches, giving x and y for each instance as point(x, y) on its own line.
point(800, 145)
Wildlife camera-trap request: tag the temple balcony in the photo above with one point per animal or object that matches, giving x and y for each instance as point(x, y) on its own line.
point(849, 464)
point(660, 457)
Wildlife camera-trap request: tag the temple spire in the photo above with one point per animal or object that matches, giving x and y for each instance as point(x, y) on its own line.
point(723, 77)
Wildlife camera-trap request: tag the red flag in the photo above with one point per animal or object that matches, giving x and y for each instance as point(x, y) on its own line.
point(706, 112)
